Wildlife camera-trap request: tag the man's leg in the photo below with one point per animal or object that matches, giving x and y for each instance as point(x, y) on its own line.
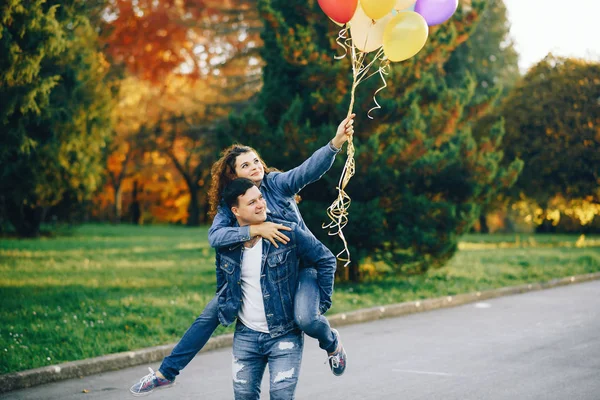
point(190, 344)
point(248, 365)
point(285, 358)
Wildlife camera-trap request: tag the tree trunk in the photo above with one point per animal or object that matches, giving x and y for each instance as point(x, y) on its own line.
point(193, 207)
point(483, 225)
point(26, 220)
point(118, 200)
point(135, 208)
point(545, 227)
point(354, 273)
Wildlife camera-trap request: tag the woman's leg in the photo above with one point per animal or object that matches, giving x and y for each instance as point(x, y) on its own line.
point(190, 344)
point(192, 341)
point(306, 310)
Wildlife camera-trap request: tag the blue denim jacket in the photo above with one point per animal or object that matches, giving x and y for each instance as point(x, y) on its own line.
point(279, 276)
point(278, 190)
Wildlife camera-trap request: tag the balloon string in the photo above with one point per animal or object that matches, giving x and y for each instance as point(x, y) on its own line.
point(383, 70)
point(365, 69)
point(338, 210)
point(342, 41)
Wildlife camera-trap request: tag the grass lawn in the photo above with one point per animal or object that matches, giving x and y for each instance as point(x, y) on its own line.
point(103, 289)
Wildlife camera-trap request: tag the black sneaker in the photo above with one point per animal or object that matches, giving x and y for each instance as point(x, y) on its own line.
point(338, 359)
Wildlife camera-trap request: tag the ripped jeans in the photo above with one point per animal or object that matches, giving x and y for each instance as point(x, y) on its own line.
point(252, 351)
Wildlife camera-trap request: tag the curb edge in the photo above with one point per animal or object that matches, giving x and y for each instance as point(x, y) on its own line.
point(117, 361)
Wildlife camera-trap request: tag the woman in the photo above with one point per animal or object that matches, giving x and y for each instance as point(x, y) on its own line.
point(279, 190)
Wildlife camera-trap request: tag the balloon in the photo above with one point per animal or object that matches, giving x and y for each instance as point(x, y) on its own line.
point(335, 22)
point(404, 36)
point(376, 9)
point(404, 5)
point(367, 35)
point(436, 12)
point(340, 11)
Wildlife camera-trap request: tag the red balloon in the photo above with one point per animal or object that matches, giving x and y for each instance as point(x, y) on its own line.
point(340, 11)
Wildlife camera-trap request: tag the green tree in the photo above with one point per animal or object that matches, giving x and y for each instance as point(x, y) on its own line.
point(552, 120)
point(490, 57)
point(55, 110)
point(420, 178)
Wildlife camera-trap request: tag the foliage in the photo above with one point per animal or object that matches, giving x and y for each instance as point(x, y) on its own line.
point(552, 123)
point(156, 38)
point(421, 176)
point(186, 65)
point(489, 56)
point(55, 113)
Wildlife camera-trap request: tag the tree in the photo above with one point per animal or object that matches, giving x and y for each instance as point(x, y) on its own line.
point(421, 176)
point(187, 64)
point(552, 119)
point(157, 38)
point(55, 112)
point(490, 57)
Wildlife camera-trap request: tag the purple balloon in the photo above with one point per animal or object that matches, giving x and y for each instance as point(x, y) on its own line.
point(436, 12)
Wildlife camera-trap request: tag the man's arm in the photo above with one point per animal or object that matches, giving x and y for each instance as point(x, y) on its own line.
point(315, 254)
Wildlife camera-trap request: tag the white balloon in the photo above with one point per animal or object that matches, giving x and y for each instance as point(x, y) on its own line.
point(367, 34)
point(403, 4)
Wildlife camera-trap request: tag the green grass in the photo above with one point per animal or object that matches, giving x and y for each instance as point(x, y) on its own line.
point(101, 289)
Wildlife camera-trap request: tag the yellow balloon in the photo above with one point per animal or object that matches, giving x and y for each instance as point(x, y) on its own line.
point(404, 36)
point(403, 4)
point(376, 9)
point(367, 35)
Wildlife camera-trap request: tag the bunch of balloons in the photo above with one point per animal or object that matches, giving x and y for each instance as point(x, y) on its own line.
point(400, 26)
point(395, 30)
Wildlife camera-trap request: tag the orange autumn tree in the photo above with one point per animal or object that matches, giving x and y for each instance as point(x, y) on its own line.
point(187, 65)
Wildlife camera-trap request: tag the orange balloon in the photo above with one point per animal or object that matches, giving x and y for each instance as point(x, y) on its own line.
point(341, 11)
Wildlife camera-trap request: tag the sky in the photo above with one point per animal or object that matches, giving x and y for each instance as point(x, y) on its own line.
point(565, 28)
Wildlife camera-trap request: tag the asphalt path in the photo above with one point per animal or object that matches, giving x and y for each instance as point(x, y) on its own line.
point(541, 345)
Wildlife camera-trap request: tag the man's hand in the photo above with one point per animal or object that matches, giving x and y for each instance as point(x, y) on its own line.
point(344, 131)
point(270, 231)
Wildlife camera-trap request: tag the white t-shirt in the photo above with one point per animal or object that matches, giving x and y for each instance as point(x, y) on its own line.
point(252, 311)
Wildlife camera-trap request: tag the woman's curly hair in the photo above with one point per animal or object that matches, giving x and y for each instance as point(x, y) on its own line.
point(223, 172)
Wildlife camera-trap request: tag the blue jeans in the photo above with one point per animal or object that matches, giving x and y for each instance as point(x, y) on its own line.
point(192, 341)
point(307, 317)
point(253, 350)
point(306, 311)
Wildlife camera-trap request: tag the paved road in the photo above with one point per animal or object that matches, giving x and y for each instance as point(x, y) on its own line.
point(543, 345)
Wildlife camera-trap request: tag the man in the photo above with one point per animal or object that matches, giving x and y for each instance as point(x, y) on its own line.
point(256, 282)
point(258, 291)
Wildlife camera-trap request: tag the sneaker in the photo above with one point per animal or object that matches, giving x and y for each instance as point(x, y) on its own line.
point(150, 382)
point(338, 359)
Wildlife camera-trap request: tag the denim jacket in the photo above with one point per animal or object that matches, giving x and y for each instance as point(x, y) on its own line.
point(279, 276)
point(278, 190)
